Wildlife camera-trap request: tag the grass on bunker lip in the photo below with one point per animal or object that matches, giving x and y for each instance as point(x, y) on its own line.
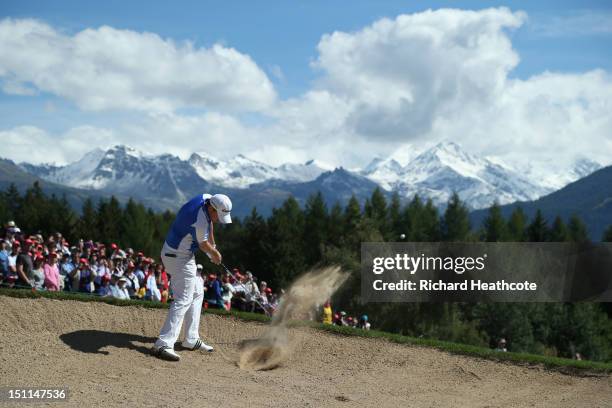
point(564, 365)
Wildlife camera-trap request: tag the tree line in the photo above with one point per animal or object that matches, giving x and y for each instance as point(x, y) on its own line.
point(295, 238)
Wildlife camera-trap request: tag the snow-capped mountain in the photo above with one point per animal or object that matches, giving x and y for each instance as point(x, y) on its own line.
point(444, 168)
point(125, 171)
point(242, 172)
point(385, 172)
point(434, 173)
point(76, 174)
point(560, 177)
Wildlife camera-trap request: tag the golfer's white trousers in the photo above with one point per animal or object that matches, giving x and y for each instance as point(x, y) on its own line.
point(188, 292)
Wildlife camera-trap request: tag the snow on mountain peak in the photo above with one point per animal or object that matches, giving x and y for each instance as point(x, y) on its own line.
point(434, 172)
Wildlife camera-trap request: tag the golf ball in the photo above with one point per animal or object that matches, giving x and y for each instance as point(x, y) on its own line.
point(403, 236)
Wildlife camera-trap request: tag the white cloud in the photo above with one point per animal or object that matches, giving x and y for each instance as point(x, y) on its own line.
point(107, 68)
point(444, 74)
point(400, 75)
point(34, 145)
point(415, 79)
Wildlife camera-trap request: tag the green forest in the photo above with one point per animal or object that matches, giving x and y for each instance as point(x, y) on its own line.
point(294, 239)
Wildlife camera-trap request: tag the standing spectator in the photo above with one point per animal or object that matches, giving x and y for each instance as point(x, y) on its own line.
point(118, 289)
point(343, 320)
point(102, 271)
point(163, 283)
point(38, 272)
point(53, 281)
point(105, 288)
point(119, 266)
point(327, 313)
point(132, 284)
point(9, 235)
point(116, 251)
point(251, 291)
point(141, 272)
point(66, 267)
point(4, 260)
point(152, 291)
point(25, 264)
point(86, 277)
point(214, 291)
point(364, 323)
point(228, 293)
point(58, 239)
point(501, 345)
point(239, 294)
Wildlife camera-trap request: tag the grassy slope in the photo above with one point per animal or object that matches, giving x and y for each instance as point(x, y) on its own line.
point(560, 364)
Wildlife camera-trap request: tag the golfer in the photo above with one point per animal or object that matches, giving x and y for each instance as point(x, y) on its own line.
point(192, 230)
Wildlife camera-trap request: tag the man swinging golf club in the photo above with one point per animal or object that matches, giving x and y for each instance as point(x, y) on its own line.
point(192, 230)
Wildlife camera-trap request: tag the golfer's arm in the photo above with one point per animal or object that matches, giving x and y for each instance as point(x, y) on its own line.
point(207, 248)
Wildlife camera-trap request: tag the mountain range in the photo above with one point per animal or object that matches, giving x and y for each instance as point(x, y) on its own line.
point(165, 181)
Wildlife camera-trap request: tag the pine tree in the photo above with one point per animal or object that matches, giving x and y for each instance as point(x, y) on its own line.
point(420, 223)
point(517, 225)
point(13, 201)
point(577, 230)
point(87, 226)
point(352, 215)
point(377, 211)
point(286, 229)
point(455, 222)
point(33, 208)
point(412, 220)
point(351, 221)
point(558, 232)
point(395, 219)
point(336, 225)
point(430, 222)
point(315, 228)
point(4, 208)
point(495, 225)
point(60, 217)
point(136, 226)
point(255, 245)
point(538, 229)
point(109, 219)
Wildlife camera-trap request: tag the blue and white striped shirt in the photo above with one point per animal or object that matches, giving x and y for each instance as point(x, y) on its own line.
point(191, 226)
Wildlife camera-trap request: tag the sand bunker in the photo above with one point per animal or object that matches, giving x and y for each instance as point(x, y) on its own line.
point(307, 293)
point(93, 347)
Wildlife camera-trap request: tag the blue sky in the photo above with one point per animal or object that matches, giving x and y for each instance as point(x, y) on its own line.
point(281, 38)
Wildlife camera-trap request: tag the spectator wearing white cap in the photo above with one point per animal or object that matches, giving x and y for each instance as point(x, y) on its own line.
point(191, 230)
point(118, 289)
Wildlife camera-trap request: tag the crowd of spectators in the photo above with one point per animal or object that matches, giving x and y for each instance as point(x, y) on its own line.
point(342, 319)
point(237, 290)
point(52, 264)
